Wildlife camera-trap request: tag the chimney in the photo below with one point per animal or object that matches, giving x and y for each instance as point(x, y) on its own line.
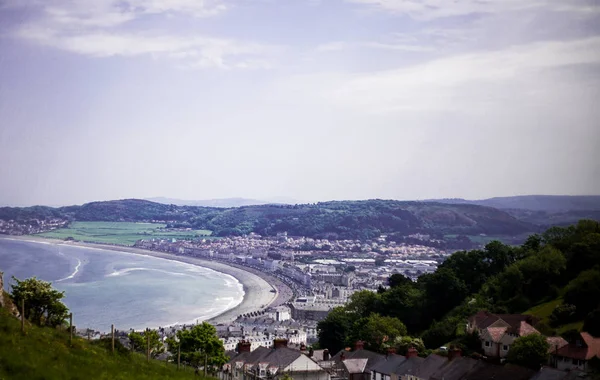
point(244, 346)
point(454, 353)
point(311, 352)
point(326, 354)
point(280, 343)
point(342, 356)
point(412, 353)
point(359, 345)
point(391, 351)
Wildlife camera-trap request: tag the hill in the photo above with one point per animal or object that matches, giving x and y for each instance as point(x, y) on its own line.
point(222, 202)
point(443, 220)
point(547, 203)
point(45, 353)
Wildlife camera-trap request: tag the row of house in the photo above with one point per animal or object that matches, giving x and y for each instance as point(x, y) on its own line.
point(273, 363)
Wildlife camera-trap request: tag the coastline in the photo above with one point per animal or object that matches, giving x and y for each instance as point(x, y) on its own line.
point(257, 286)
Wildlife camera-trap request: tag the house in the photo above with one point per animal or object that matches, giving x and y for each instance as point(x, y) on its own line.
point(272, 363)
point(384, 369)
point(576, 354)
point(343, 370)
point(498, 331)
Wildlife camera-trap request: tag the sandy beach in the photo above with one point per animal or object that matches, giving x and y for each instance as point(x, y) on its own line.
point(257, 285)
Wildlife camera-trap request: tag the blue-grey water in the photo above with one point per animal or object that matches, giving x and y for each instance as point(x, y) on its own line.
point(105, 287)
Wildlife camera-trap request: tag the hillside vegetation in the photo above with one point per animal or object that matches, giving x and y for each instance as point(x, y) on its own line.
point(45, 353)
point(555, 276)
point(335, 220)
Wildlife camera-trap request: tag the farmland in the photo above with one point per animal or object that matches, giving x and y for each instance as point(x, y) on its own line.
point(121, 233)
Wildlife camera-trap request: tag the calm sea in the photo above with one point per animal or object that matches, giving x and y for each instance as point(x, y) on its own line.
point(132, 291)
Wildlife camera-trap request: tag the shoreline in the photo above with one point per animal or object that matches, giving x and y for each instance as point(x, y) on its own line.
point(256, 285)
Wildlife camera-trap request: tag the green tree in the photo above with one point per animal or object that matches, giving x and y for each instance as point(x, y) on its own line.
point(139, 342)
point(591, 324)
point(363, 303)
point(443, 291)
point(397, 279)
point(403, 343)
point(198, 344)
point(584, 291)
point(377, 331)
point(333, 331)
point(43, 305)
point(529, 351)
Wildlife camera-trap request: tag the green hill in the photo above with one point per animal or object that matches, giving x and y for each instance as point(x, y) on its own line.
point(45, 353)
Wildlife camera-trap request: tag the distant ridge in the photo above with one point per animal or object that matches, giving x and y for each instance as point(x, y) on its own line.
point(548, 203)
point(221, 202)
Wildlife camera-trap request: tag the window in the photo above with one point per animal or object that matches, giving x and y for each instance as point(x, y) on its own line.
point(487, 343)
point(505, 347)
point(578, 362)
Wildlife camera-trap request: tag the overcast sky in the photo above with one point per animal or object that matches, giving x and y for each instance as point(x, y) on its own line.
point(308, 99)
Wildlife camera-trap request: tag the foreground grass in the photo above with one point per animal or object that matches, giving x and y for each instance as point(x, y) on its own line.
point(45, 353)
point(121, 233)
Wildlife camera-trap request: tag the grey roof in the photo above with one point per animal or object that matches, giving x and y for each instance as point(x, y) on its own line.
point(484, 370)
point(355, 365)
point(431, 364)
point(454, 369)
point(373, 357)
point(389, 365)
point(410, 366)
point(280, 357)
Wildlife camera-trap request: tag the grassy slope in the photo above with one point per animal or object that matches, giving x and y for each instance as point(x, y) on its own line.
point(544, 310)
point(44, 353)
point(123, 233)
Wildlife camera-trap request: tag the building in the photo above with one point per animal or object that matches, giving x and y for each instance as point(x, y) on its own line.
point(499, 331)
point(576, 354)
point(272, 363)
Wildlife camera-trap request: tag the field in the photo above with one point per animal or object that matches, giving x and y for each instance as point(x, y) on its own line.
point(121, 233)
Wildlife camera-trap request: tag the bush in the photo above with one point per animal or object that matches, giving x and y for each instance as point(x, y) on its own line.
point(563, 314)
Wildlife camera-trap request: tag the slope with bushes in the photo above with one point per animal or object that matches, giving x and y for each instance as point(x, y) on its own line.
point(45, 353)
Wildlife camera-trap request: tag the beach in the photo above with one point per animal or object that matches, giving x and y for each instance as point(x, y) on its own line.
point(257, 285)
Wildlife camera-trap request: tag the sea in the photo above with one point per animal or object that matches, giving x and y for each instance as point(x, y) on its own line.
point(131, 291)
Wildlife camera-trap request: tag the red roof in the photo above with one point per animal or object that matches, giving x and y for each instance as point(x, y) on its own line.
point(587, 348)
point(496, 333)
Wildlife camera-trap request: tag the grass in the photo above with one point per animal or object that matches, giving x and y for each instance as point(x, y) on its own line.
point(121, 233)
point(45, 353)
point(544, 310)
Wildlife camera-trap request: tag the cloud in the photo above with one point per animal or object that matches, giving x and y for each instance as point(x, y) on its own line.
point(106, 28)
point(466, 83)
point(346, 45)
point(433, 9)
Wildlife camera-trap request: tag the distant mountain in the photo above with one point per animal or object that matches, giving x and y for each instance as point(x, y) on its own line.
point(222, 202)
point(548, 203)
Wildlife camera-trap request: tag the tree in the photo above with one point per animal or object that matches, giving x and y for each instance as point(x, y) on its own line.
point(363, 303)
point(397, 279)
point(403, 343)
point(43, 305)
point(591, 324)
point(584, 291)
point(333, 331)
point(443, 291)
point(139, 342)
point(376, 331)
point(529, 351)
point(198, 344)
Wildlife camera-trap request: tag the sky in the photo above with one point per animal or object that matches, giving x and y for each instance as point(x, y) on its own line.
point(306, 99)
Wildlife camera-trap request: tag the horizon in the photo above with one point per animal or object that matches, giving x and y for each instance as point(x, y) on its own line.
point(340, 99)
point(299, 202)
